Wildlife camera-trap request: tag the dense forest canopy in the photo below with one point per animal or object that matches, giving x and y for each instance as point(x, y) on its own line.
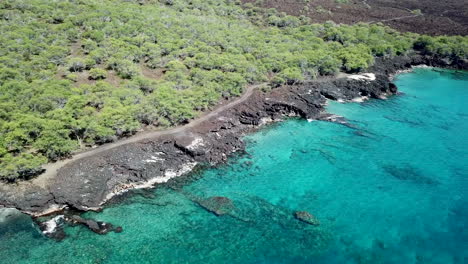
point(83, 72)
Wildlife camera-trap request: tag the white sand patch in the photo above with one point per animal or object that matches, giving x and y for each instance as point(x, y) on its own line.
point(363, 77)
point(168, 174)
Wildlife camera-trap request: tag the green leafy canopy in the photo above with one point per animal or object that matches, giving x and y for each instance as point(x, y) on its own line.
point(78, 73)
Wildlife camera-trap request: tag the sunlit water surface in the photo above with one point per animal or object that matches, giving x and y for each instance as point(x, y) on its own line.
point(390, 188)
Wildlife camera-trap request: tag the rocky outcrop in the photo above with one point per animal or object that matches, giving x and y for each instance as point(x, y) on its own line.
point(54, 227)
point(391, 66)
point(306, 217)
point(191, 144)
point(88, 183)
point(97, 227)
point(27, 198)
point(95, 180)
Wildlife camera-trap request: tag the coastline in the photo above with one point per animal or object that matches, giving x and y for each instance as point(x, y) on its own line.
point(145, 163)
point(392, 77)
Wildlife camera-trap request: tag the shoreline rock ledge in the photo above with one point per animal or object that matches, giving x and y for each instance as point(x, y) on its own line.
point(54, 227)
point(88, 183)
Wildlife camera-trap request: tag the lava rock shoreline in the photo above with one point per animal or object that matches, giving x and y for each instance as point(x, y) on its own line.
point(88, 183)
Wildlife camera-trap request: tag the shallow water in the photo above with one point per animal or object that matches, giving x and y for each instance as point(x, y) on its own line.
point(389, 188)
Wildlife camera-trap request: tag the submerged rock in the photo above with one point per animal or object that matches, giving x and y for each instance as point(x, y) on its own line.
point(306, 217)
point(217, 205)
point(406, 172)
point(97, 227)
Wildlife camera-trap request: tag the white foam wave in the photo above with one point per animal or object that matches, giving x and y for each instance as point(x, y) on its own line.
point(52, 224)
point(168, 174)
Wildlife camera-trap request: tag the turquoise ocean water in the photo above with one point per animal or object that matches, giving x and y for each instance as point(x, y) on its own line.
point(389, 188)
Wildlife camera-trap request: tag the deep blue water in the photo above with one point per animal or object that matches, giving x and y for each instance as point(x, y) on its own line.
point(389, 188)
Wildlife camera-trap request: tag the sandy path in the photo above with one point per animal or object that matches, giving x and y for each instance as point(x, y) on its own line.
point(52, 168)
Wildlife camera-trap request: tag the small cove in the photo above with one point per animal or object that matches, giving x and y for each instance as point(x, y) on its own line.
point(389, 188)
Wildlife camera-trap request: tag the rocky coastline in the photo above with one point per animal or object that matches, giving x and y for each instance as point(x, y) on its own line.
point(90, 182)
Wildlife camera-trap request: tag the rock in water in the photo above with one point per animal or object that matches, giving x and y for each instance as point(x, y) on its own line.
point(53, 228)
point(406, 172)
point(306, 217)
point(97, 227)
point(218, 205)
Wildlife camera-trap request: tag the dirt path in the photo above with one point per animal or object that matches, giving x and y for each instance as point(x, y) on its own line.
point(52, 168)
point(393, 19)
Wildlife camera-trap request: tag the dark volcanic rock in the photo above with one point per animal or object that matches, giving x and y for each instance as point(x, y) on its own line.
point(54, 227)
point(27, 197)
point(388, 66)
point(348, 89)
point(191, 144)
point(87, 183)
point(97, 227)
point(306, 217)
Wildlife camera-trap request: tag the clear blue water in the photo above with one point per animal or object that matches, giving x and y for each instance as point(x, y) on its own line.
point(390, 188)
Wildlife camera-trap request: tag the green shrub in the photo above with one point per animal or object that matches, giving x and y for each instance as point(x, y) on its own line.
point(20, 167)
point(76, 65)
point(291, 75)
point(97, 74)
point(126, 69)
point(72, 77)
